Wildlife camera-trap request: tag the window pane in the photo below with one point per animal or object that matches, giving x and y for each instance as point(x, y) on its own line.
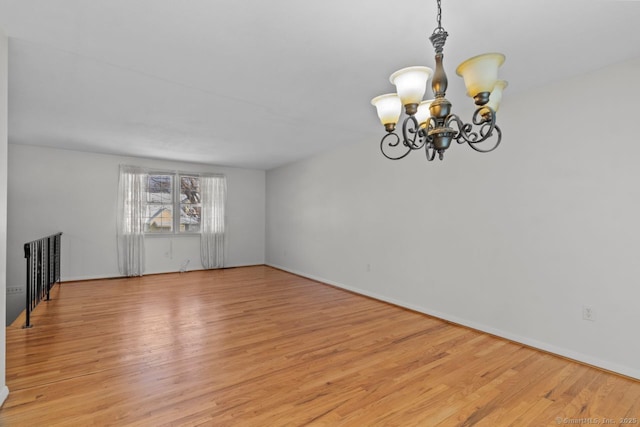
point(159, 213)
point(189, 217)
point(189, 189)
point(190, 203)
point(159, 189)
point(159, 218)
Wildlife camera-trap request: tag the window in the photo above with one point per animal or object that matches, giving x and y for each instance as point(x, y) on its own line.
point(169, 203)
point(168, 194)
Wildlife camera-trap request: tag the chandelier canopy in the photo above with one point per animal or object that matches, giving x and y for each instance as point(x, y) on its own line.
point(429, 123)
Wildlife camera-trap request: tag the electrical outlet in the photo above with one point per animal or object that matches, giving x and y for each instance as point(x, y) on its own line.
point(588, 313)
point(14, 290)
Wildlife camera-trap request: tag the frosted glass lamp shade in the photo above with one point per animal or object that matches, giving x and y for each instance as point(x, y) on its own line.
point(411, 83)
point(423, 114)
point(496, 96)
point(480, 73)
point(389, 108)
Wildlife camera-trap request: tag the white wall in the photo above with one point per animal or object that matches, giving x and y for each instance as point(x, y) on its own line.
point(514, 242)
point(74, 192)
point(4, 51)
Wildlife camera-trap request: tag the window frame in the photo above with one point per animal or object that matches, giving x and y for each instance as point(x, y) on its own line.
point(176, 203)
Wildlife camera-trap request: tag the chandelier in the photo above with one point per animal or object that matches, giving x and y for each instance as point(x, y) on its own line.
point(429, 123)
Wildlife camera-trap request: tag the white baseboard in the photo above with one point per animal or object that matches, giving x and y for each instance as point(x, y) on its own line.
point(560, 351)
point(148, 273)
point(4, 393)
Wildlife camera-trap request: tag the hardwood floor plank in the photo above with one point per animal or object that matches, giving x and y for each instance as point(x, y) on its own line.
point(257, 346)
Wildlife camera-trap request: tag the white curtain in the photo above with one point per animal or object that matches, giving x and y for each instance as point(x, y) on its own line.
point(214, 194)
point(130, 221)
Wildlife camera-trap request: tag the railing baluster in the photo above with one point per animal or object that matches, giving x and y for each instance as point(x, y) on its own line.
point(43, 270)
point(27, 255)
point(49, 282)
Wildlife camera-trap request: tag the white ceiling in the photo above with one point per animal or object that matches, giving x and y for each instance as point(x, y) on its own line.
point(259, 84)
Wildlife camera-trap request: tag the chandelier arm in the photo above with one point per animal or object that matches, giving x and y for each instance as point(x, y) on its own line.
point(465, 130)
point(494, 131)
point(410, 126)
point(484, 115)
point(486, 120)
point(390, 145)
point(430, 150)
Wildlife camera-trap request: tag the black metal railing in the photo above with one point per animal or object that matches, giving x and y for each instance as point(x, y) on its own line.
point(43, 270)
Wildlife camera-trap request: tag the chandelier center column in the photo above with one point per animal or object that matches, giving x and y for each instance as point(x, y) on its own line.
point(440, 108)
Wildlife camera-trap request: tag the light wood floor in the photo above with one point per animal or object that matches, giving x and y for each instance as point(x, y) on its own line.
point(257, 346)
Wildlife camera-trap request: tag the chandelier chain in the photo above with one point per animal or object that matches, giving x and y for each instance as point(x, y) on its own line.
point(439, 36)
